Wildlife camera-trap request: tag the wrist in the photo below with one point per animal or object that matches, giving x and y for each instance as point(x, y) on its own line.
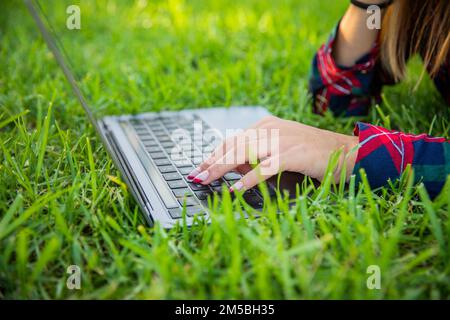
point(347, 160)
point(350, 155)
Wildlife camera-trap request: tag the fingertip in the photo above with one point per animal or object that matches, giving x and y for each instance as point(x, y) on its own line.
point(194, 173)
point(238, 186)
point(202, 177)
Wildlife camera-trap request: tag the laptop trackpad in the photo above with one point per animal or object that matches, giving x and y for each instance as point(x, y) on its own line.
point(231, 118)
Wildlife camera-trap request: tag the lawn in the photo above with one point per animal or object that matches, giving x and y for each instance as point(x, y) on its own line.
point(62, 201)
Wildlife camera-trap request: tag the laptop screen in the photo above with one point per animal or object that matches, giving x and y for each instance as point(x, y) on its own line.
point(111, 48)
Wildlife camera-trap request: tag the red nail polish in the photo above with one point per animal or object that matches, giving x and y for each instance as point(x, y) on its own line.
point(231, 190)
point(196, 180)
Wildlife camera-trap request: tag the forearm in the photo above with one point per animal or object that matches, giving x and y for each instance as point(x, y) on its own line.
point(344, 78)
point(354, 38)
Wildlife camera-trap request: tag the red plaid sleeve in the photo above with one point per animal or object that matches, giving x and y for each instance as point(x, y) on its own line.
point(344, 91)
point(384, 155)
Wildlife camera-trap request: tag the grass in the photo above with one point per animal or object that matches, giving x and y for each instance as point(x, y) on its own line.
point(62, 201)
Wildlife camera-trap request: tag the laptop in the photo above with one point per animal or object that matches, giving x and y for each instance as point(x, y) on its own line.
point(155, 151)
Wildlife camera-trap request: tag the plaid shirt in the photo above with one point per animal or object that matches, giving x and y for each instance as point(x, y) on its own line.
point(382, 153)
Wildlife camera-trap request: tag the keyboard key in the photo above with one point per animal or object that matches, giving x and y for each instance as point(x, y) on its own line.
point(175, 213)
point(191, 211)
point(171, 127)
point(160, 133)
point(177, 155)
point(162, 162)
point(176, 184)
point(164, 139)
point(181, 193)
point(145, 137)
point(172, 176)
point(153, 149)
point(182, 163)
point(216, 183)
point(230, 183)
point(168, 145)
point(150, 143)
point(203, 195)
point(253, 199)
point(187, 148)
point(197, 186)
point(232, 176)
point(168, 119)
point(189, 201)
point(186, 170)
point(217, 189)
point(197, 161)
point(157, 155)
point(196, 154)
point(167, 169)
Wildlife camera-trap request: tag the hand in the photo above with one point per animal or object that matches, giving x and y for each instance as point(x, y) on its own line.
point(278, 145)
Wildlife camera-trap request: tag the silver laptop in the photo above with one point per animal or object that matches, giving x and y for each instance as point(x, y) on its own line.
point(156, 151)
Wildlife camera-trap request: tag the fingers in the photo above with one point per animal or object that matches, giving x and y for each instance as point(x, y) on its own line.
point(232, 153)
point(202, 167)
point(229, 143)
point(217, 154)
point(219, 168)
point(239, 148)
point(236, 157)
point(266, 169)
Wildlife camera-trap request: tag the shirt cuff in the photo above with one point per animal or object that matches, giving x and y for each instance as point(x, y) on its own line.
point(385, 154)
point(378, 154)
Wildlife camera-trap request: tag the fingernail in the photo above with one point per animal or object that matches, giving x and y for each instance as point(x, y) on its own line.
point(193, 174)
point(201, 177)
point(237, 186)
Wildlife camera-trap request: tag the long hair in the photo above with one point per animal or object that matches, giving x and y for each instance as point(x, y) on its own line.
point(415, 27)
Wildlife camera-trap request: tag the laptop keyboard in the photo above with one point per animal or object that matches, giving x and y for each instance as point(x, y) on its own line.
point(175, 159)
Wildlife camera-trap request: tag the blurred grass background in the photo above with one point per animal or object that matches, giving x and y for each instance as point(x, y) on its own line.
point(62, 202)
